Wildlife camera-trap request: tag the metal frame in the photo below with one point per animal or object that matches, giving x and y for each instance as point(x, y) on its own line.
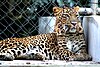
point(93, 10)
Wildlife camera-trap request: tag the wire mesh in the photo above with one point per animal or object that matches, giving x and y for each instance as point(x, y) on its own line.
point(19, 18)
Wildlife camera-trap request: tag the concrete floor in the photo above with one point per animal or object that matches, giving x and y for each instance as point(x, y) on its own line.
point(50, 63)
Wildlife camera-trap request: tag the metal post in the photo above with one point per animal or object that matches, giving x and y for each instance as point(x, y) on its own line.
point(94, 5)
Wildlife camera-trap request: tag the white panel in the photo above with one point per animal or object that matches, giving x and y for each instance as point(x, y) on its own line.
point(46, 24)
point(92, 29)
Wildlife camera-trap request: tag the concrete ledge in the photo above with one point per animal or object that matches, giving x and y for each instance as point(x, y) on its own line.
point(49, 63)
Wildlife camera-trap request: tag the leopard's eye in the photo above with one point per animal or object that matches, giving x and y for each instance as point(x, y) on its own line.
point(67, 11)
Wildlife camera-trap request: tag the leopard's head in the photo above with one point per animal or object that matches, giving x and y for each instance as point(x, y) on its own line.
point(66, 19)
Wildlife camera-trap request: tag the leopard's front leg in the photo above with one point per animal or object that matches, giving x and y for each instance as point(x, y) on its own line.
point(31, 56)
point(67, 55)
point(64, 54)
point(82, 55)
point(6, 57)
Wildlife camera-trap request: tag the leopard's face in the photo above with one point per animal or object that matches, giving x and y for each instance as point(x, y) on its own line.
point(75, 24)
point(66, 20)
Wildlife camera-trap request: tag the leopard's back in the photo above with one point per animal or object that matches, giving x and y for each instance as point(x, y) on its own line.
point(20, 47)
point(39, 47)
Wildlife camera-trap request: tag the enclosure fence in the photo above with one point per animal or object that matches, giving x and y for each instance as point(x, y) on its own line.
point(19, 18)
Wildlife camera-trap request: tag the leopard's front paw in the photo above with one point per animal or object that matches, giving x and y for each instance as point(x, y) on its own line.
point(82, 57)
point(6, 58)
point(72, 58)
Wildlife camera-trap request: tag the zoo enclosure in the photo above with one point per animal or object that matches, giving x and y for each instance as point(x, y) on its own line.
point(19, 18)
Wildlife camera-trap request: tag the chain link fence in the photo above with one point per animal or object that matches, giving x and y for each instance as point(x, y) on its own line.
point(19, 18)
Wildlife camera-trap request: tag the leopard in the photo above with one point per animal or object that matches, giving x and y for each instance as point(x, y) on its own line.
point(38, 47)
point(70, 31)
point(62, 44)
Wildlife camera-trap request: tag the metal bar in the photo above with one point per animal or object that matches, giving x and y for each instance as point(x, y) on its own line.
point(94, 5)
point(98, 11)
point(89, 11)
point(86, 11)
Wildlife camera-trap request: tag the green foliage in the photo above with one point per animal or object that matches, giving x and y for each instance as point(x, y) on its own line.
point(20, 17)
point(82, 3)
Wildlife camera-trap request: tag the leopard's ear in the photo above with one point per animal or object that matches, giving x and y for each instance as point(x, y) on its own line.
point(57, 9)
point(76, 9)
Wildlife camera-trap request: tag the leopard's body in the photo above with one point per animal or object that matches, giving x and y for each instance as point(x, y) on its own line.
point(64, 44)
point(39, 47)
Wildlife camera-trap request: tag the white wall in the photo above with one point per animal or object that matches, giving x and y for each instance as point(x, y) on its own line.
point(91, 26)
point(46, 24)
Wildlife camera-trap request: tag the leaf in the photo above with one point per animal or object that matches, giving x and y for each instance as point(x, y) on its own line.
point(45, 1)
point(60, 2)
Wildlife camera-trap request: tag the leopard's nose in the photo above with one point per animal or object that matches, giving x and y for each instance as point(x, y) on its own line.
point(73, 22)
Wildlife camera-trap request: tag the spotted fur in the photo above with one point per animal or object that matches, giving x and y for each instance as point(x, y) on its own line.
point(39, 47)
point(70, 31)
